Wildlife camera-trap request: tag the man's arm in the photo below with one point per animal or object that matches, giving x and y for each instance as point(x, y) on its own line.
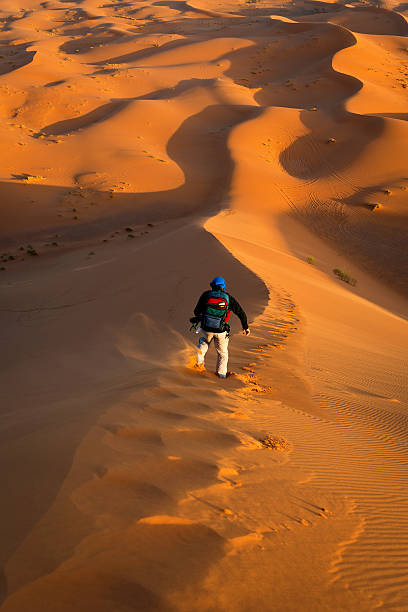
point(199, 309)
point(237, 309)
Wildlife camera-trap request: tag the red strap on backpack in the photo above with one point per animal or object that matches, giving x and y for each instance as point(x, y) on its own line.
point(220, 303)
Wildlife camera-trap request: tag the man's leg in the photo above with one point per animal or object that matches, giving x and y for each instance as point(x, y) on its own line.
point(203, 345)
point(221, 345)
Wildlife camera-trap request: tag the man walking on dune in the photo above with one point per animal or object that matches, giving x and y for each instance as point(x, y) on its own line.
point(213, 311)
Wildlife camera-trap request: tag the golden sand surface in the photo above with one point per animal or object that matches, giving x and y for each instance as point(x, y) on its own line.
point(146, 147)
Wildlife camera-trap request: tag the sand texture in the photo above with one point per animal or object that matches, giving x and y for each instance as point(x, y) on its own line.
point(145, 148)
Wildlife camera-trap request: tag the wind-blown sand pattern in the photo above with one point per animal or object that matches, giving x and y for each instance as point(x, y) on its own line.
point(147, 147)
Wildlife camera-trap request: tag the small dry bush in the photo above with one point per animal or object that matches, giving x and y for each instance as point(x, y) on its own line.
point(274, 443)
point(345, 277)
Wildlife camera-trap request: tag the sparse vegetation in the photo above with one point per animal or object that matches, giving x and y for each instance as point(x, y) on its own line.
point(29, 178)
point(345, 277)
point(128, 229)
point(310, 260)
point(274, 443)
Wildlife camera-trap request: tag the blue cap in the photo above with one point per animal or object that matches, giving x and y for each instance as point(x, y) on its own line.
point(218, 281)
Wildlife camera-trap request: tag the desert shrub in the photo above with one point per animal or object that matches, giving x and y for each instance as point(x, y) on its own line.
point(274, 442)
point(310, 260)
point(345, 277)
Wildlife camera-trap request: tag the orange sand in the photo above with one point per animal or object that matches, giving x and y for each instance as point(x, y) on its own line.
point(147, 147)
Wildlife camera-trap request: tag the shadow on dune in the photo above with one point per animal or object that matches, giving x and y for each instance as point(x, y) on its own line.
point(201, 153)
point(17, 56)
point(182, 7)
point(308, 50)
point(102, 34)
point(106, 111)
point(3, 586)
point(129, 569)
point(140, 54)
point(102, 113)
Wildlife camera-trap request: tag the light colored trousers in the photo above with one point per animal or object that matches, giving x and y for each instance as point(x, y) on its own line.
point(221, 345)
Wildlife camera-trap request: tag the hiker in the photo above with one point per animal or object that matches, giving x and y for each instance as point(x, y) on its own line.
point(212, 312)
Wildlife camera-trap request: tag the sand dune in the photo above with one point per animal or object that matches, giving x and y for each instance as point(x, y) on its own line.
point(147, 147)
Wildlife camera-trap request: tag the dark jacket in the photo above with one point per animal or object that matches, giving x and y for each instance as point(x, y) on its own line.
point(234, 306)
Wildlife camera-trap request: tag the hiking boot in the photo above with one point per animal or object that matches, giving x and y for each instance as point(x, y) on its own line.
point(221, 375)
